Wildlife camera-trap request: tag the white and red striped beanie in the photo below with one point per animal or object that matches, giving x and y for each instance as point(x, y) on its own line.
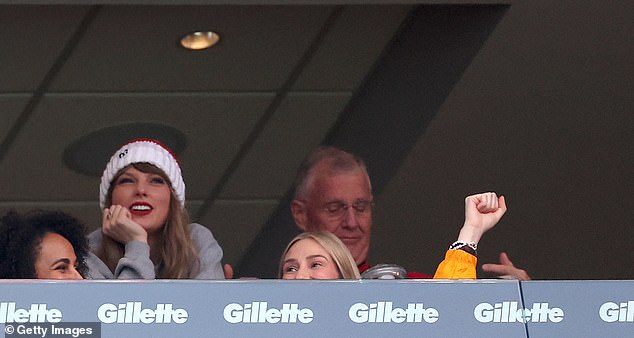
point(143, 151)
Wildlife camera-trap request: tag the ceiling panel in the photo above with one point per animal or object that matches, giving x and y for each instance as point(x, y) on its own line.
point(353, 43)
point(32, 39)
point(258, 48)
point(300, 123)
point(10, 108)
point(215, 126)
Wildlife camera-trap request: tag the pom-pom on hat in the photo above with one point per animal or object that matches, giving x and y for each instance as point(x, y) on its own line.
point(143, 151)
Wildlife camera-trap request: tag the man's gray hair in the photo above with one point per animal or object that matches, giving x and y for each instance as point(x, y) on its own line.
point(337, 161)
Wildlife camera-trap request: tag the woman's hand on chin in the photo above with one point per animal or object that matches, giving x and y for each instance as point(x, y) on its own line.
point(118, 225)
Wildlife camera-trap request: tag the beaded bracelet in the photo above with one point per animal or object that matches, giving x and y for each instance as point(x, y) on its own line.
point(469, 247)
point(459, 244)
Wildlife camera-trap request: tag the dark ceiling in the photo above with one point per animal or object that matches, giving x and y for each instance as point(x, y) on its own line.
point(442, 98)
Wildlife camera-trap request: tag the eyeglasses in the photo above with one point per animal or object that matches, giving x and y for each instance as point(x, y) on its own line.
point(336, 210)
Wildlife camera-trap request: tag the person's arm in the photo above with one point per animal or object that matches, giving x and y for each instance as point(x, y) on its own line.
point(457, 264)
point(209, 253)
point(117, 224)
point(97, 269)
point(136, 263)
point(482, 212)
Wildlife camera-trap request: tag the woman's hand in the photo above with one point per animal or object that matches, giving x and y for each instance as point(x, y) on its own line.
point(118, 224)
point(482, 212)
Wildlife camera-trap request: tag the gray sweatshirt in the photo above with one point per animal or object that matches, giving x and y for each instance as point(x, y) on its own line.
point(136, 263)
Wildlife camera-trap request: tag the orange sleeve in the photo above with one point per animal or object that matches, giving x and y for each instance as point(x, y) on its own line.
point(457, 265)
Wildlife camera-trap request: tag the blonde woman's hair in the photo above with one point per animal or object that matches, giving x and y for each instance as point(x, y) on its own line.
point(334, 247)
point(178, 256)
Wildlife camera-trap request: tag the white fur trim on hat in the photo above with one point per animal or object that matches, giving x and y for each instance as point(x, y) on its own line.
point(138, 151)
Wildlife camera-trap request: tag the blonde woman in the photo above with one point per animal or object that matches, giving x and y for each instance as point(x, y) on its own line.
point(145, 231)
point(317, 255)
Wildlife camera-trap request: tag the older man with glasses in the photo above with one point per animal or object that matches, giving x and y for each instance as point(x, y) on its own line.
point(334, 193)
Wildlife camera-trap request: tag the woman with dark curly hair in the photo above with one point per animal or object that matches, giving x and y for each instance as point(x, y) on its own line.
point(43, 245)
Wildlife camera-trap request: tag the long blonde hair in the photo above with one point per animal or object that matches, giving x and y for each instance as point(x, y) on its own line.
point(333, 246)
point(178, 256)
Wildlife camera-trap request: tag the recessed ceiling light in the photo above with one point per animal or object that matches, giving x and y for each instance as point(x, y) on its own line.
point(199, 40)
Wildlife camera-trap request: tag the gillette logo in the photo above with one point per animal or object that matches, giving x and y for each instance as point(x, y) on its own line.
point(134, 313)
point(509, 312)
point(385, 312)
point(612, 312)
point(37, 313)
point(259, 312)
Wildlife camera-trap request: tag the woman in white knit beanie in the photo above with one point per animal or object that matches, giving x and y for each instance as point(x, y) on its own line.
point(145, 231)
